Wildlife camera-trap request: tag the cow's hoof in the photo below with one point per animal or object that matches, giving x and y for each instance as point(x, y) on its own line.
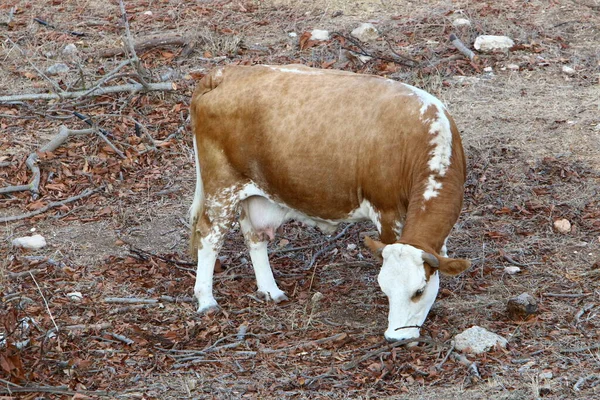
point(276, 296)
point(208, 308)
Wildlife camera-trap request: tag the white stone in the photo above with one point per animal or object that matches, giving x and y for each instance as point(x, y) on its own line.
point(459, 22)
point(513, 67)
point(490, 43)
point(488, 69)
point(318, 34)
point(148, 13)
point(477, 340)
point(351, 246)
point(56, 69)
point(568, 70)
point(70, 50)
point(292, 34)
point(366, 32)
point(562, 225)
point(546, 375)
point(512, 270)
point(34, 242)
point(75, 296)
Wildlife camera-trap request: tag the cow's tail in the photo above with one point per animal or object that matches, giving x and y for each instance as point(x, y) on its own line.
point(206, 84)
point(197, 207)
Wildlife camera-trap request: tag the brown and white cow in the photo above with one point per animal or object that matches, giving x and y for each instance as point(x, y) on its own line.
point(275, 143)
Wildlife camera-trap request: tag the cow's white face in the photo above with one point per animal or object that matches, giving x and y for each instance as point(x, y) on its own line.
point(403, 280)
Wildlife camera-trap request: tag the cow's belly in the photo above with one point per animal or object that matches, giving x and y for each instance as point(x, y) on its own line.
point(266, 214)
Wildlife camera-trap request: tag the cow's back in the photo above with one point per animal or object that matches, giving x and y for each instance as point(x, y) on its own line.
point(319, 141)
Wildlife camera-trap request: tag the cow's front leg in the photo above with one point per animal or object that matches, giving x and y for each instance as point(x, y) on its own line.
point(267, 287)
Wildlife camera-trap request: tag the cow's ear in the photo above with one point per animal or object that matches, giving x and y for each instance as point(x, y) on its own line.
point(375, 247)
point(453, 266)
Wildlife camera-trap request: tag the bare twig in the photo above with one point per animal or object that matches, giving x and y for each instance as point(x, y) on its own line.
point(59, 91)
point(93, 327)
point(441, 364)
point(580, 349)
point(582, 380)
point(460, 46)
point(17, 275)
point(130, 47)
point(132, 87)
point(53, 204)
point(107, 77)
point(129, 300)
point(45, 302)
point(149, 43)
point(55, 390)
point(472, 366)
point(385, 348)
point(567, 295)
point(121, 338)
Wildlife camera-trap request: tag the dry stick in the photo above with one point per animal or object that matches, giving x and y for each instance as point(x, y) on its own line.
point(582, 380)
point(471, 365)
point(17, 275)
point(132, 87)
point(146, 44)
point(567, 295)
point(53, 144)
point(107, 77)
point(131, 308)
point(54, 84)
point(460, 46)
point(580, 349)
point(388, 347)
point(130, 47)
point(54, 204)
point(439, 366)
point(129, 300)
point(94, 327)
point(55, 390)
point(45, 302)
point(121, 338)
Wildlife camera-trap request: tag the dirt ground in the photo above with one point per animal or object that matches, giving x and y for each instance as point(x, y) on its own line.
point(531, 131)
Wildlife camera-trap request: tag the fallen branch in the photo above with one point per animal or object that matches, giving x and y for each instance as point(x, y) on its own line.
point(580, 349)
point(460, 46)
point(132, 87)
point(148, 43)
point(582, 380)
point(472, 366)
point(567, 295)
point(63, 134)
point(17, 275)
point(129, 300)
point(53, 204)
point(388, 347)
point(132, 307)
point(121, 338)
point(94, 327)
point(55, 390)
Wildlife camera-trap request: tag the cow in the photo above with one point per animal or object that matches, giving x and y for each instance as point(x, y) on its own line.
point(274, 143)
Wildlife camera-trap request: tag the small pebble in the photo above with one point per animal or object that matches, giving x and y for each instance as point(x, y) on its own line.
point(512, 270)
point(562, 225)
point(34, 242)
point(568, 70)
point(56, 69)
point(75, 296)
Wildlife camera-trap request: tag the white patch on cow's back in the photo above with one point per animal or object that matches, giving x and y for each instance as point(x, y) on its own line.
point(432, 189)
point(426, 99)
point(293, 70)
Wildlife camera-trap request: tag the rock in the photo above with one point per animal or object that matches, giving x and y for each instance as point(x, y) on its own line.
point(318, 34)
point(490, 43)
point(562, 225)
point(477, 340)
point(488, 69)
point(56, 69)
point(546, 375)
point(365, 32)
point(521, 306)
point(460, 22)
point(147, 13)
point(292, 34)
point(351, 246)
point(568, 70)
point(75, 297)
point(512, 270)
point(34, 242)
point(513, 67)
point(70, 50)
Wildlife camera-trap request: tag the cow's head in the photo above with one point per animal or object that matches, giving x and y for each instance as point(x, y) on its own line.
point(410, 279)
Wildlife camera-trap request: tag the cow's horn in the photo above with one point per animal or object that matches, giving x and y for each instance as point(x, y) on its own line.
point(431, 260)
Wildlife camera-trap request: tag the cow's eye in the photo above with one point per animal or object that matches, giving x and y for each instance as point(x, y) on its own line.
point(418, 293)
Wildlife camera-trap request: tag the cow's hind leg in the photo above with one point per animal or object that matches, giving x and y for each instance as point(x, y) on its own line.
point(211, 227)
point(257, 246)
